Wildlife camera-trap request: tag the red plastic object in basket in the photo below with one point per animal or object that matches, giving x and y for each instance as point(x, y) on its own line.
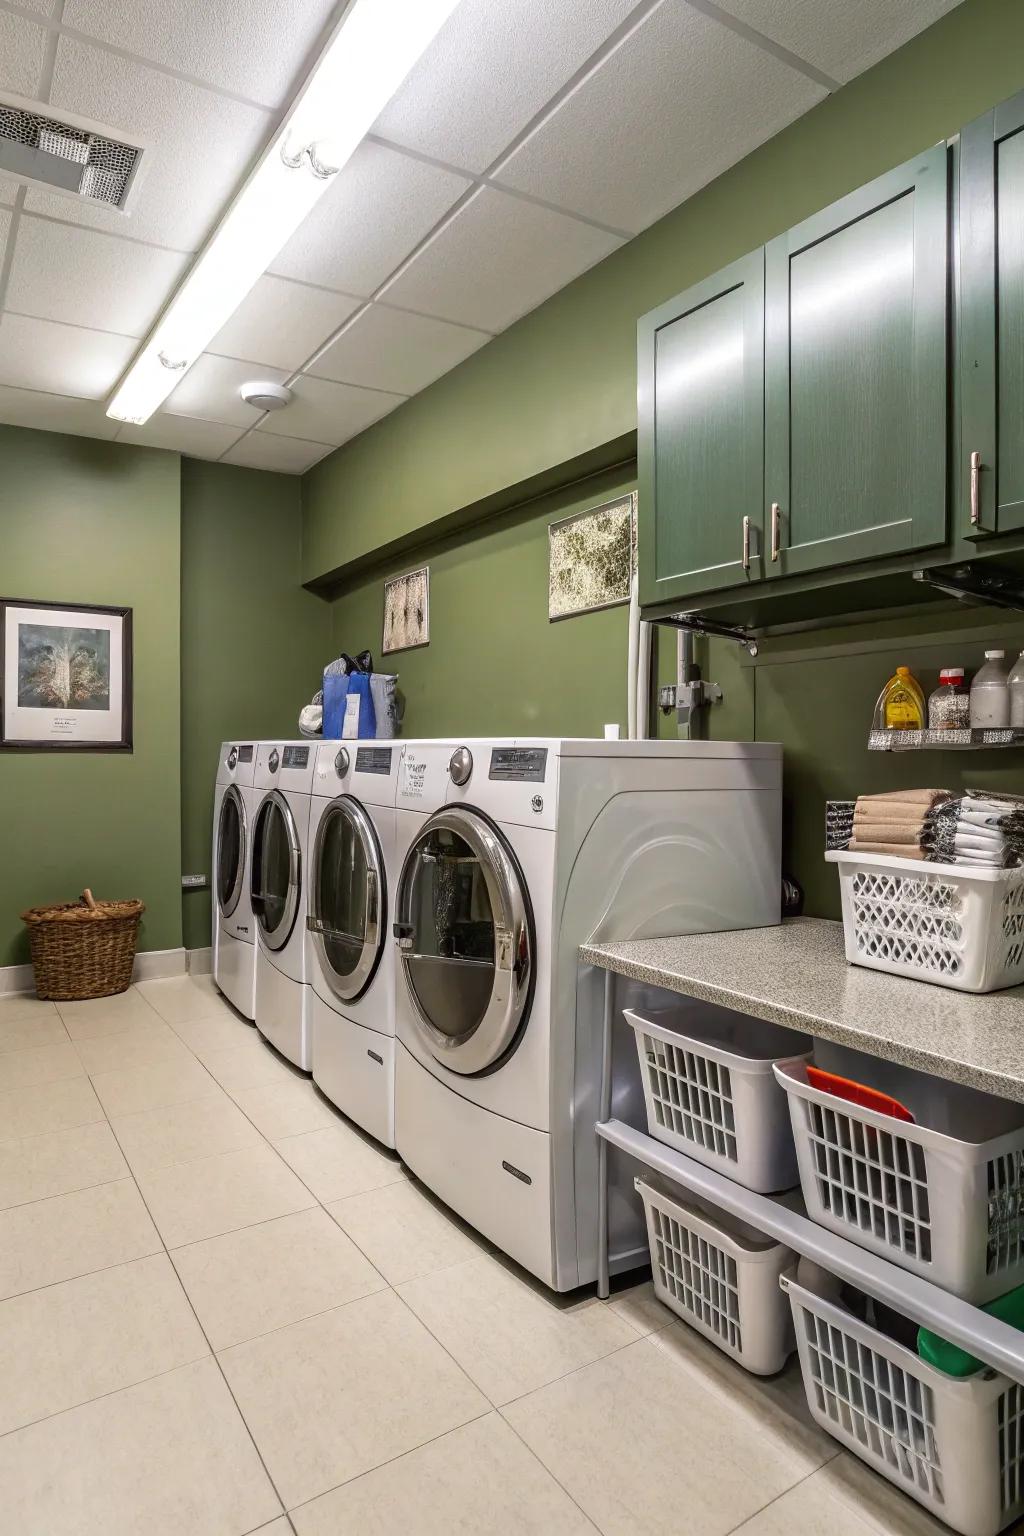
point(857, 1093)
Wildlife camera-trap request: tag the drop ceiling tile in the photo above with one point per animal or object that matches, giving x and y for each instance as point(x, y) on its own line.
point(55, 413)
point(62, 359)
point(490, 69)
point(498, 258)
point(5, 230)
point(323, 412)
point(40, 7)
point(281, 323)
point(841, 40)
point(8, 192)
point(21, 54)
point(390, 349)
point(210, 391)
point(380, 207)
point(182, 434)
point(681, 100)
point(199, 145)
point(254, 48)
point(287, 455)
point(82, 277)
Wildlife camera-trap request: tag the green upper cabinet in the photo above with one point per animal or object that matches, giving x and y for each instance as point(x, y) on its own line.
point(990, 474)
point(856, 302)
point(700, 436)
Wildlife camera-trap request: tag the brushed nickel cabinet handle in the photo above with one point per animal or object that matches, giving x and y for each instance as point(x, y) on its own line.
point(775, 530)
point(975, 489)
point(746, 543)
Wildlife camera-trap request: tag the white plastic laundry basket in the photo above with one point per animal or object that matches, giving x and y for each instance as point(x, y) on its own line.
point(957, 1446)
point(719, 1275)
point(943, 1197)
point(710, 1092)
point(945, 923)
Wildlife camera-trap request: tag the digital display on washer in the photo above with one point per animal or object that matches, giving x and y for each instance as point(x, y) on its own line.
point(523, 764)
point(373, 760)
point(245, 754)
point(295, 757)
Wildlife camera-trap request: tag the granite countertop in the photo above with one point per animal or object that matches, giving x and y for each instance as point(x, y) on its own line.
point(796, 974)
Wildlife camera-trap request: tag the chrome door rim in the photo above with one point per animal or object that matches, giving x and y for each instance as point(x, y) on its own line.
point(349, 988)
point(481, 1047)
point(235, 895)
point(276, 939)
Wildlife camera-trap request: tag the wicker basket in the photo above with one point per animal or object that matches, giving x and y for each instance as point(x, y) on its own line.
point(83, 948)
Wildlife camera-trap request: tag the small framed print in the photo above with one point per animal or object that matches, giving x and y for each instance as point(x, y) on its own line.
point(65, 677)
point(590, 558)
point(407, 611)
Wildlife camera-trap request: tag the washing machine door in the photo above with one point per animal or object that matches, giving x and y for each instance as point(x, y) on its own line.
point(348, 894)
point(276, 881)
point(231, 839)
point(466, 941)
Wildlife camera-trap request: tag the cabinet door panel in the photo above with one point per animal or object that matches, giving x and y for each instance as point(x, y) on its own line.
point(992, 322)
point(700, 436)
point(856, 318)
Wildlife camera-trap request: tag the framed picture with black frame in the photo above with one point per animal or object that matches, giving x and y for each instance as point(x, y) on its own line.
point(65, 677)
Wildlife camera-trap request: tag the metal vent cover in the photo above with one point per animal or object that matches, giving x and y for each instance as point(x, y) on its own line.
point(38, 148)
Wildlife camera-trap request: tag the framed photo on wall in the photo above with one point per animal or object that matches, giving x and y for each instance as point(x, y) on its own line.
point(65, 677)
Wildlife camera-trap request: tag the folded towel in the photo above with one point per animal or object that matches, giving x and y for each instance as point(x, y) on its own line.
point(901, 850)
point(890, 810)
point(925, 797)
point(887, 832)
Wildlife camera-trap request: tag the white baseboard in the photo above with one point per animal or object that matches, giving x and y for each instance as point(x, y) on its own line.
point(150, 965)
point(200, 961)
point(16, 978)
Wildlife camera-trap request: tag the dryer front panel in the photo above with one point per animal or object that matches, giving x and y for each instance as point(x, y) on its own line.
point(276, 879)
point(230, 851)
point(348, 898)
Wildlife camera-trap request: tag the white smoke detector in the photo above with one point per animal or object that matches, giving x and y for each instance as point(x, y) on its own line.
point(265, 396)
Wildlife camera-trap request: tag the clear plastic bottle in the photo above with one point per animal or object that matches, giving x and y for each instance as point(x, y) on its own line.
point(949, 705)
point(990, 696)
point(1015, 683)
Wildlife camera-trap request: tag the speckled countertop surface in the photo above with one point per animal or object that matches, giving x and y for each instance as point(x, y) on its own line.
point(796, 974)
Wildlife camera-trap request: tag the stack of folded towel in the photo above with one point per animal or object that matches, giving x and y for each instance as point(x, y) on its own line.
point(896, 822)
point(986, 830)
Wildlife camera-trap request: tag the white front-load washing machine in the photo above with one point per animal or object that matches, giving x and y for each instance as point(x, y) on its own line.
point(283, 784)
point(233, 938)
point(539, 847)
point(351, 955)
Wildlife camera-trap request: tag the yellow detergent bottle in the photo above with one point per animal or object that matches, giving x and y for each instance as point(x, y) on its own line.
point(902, 702)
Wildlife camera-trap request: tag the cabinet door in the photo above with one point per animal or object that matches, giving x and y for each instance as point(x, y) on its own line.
point(700, 404)
point(990, 490)
point(855, 370)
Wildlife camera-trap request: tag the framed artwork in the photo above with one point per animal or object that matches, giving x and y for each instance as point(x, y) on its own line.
point(590, 558)
point(407, 611)
point(65, 677)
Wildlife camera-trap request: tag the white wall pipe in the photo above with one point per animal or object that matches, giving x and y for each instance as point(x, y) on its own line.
point(643, 681)
point(633, 657)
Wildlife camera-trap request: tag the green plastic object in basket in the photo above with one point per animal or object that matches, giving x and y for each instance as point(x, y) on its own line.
point(955, 1361)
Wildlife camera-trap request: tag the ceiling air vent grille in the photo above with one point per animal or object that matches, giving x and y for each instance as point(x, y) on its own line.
point(60, 155)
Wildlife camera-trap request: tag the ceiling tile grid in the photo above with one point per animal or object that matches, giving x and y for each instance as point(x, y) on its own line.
point(528, 143)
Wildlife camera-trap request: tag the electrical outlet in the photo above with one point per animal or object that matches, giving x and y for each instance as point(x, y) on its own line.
point(193, 882)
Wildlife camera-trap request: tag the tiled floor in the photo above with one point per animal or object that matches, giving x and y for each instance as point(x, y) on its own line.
point(219, 1303)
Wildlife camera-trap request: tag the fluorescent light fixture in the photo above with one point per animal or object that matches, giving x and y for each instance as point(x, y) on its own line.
point(371, 51)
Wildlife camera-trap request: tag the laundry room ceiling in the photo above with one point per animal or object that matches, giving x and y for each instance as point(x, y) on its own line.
point(530, 141)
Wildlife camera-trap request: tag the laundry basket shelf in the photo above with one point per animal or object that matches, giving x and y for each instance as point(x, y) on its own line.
point(994, 1342)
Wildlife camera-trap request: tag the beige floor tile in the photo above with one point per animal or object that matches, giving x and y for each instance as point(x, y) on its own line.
point(211, 1195)
point(285, 1109)
point(335, 1395)
point(178, 1080)
point(403, 1233)
point(39, 1166)
point(338, 1161)
point(508, 1334)
point(140, 1045)
point(20, 1033)
point(639, 1306)
point(249, 1282)
point(845, 1499)
point(276, 1528)
point(22, 1005)
point(249, 1065)
point(219, 1033)
point(69, 1235)
point(69, 1343)
point(479, 1480)
point(38, 1064)
point(179, 1133)
point(181, 998)
point(646, 1451)
point(105, 1015)
point(48, 1107)
point(165, 1458)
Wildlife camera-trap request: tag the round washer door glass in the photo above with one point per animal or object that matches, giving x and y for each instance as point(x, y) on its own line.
point(230, 851)
point(466, 940)
point(347, 920)
point(276, 870)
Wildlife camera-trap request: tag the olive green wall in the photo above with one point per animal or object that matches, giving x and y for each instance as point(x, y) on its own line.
point(562, 381)
point(91, 522)
point(253, 642)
